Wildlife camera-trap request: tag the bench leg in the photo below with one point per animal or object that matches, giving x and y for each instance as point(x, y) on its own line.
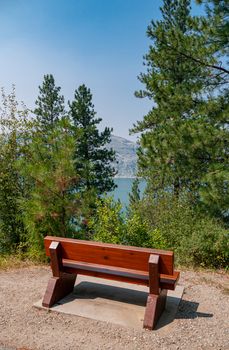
point(154, 308)
point(58, 288)
point(61, 284)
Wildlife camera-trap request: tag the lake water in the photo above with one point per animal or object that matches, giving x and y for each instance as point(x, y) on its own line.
point(124, 187)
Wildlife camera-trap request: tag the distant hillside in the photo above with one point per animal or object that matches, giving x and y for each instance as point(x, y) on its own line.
point(125, 155)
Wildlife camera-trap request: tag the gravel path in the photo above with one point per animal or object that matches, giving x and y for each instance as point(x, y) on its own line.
point(202, 321)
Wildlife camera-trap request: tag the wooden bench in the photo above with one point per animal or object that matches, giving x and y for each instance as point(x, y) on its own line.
point(144, 266)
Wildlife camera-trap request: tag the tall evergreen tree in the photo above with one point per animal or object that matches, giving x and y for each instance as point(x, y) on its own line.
point(52, 204)
point(48, 163)
point(134, 195)
point(50, 104)
point(92, 157)
point(174, 89)
point(181, 141)
point(215, 29)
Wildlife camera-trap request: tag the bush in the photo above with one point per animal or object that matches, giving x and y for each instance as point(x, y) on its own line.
point(196, 239)
point(111, 225)
point(164, 223)
point(206, 245)
point(108, 223)
point(140, 233)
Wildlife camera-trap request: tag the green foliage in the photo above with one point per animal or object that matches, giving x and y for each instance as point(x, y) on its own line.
point(108, 223)
point(134, 196)
point(205, 244)
point(53, 167)
point(52, 202)
point(216, 25)
point(197, 239)
point(165, 222)
point(171, 134)
point(12, 187)
point(141, 233)
point(92, 157)
point(136, 230)
point(184, 140)
point(50, 104)
point(47, 163)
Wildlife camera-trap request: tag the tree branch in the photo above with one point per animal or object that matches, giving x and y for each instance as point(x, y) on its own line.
point(222, 69)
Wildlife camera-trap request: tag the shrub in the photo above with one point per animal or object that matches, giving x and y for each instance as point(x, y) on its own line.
point(164, 223)
point(140, 233)
point(207, 244)
point(108, 223)
point(195, 238)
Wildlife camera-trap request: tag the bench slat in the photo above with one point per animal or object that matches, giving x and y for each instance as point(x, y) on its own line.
point(121, 274)
point(119, 256)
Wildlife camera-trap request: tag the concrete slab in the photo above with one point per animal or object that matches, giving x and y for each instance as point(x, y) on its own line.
point(115, 302)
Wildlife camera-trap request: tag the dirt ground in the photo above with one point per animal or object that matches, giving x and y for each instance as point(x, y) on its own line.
point(202, 321)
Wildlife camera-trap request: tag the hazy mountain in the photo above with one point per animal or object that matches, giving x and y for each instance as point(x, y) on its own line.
point(125, 155)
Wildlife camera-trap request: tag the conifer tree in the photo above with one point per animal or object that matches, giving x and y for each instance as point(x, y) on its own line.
point(183, 135)
point(49, 165)
point(50, 104)
point(52, 204)
point(92, 157)
point(134, 196)
point(173, 87)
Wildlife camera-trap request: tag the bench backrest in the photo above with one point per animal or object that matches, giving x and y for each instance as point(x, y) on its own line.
point(111, 254)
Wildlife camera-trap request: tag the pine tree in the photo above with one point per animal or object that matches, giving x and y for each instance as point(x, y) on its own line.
point(48, 163)
point(134, 196)
point(173, 87)
point(52, 204)
point(50, 104)
point(183, 135)
point(92, 157)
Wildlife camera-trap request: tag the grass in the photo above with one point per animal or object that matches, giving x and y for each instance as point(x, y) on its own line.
point(8, 262)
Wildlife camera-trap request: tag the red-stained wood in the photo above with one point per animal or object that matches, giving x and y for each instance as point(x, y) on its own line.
point(56, 259)
point(111, 254)
point(169, 282)
point(150, 267)
point(154, 308)
point(118, 274)
point(58, 288)
point(62, 283)
point(154, 282)
point(157, 297)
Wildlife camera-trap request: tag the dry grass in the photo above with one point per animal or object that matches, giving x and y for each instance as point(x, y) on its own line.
point(8, 262)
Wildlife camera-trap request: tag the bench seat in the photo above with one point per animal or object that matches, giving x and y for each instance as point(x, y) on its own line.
point(120, 273)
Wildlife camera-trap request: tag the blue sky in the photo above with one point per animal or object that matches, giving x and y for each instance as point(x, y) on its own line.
point(97, 42)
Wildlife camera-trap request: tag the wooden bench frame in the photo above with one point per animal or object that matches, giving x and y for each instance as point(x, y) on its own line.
point(70, 257)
